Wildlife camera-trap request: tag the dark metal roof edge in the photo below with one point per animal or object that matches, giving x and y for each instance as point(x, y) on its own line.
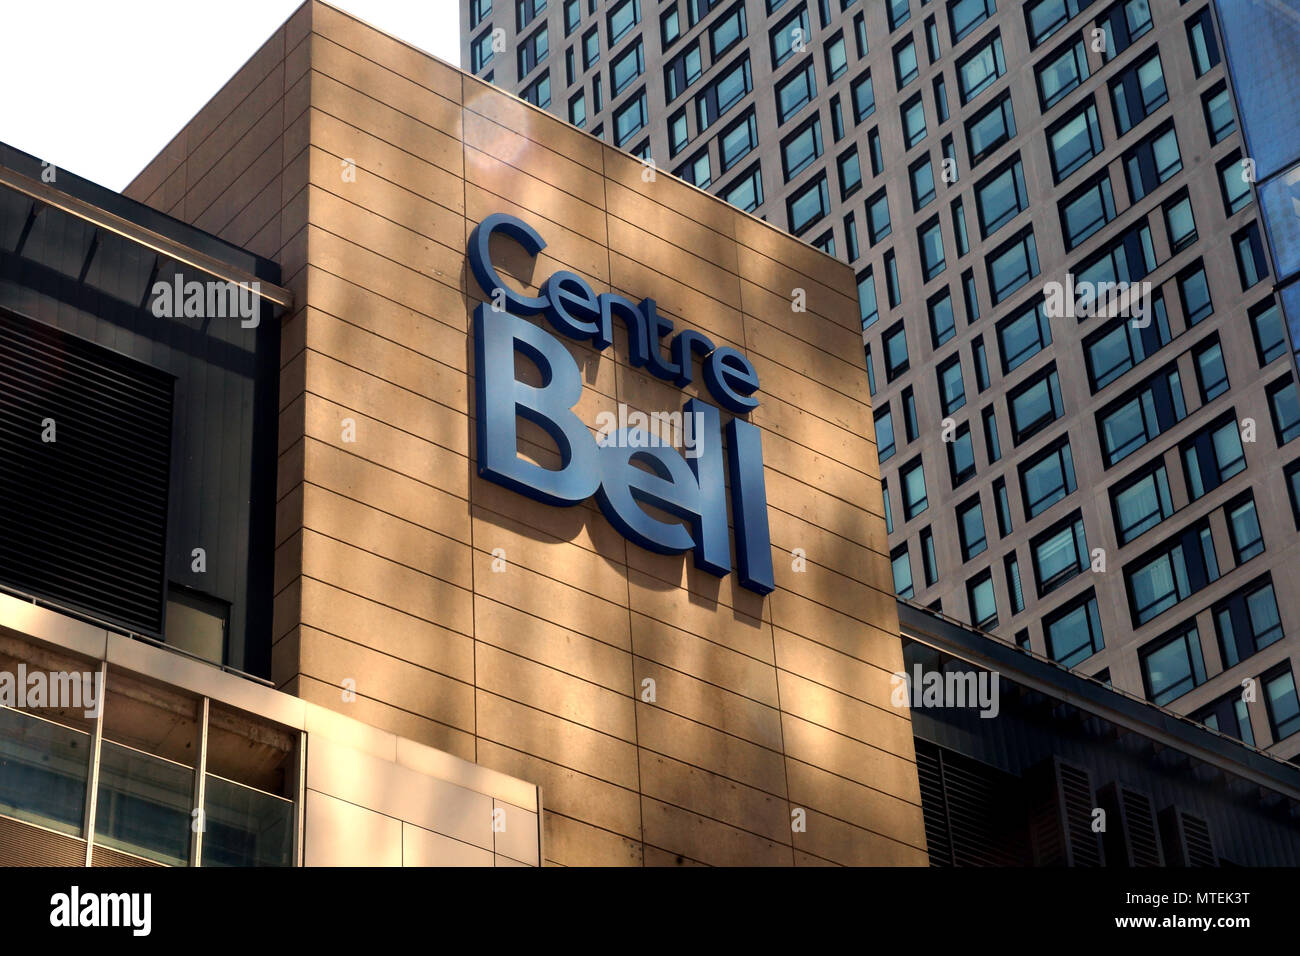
point(1136, 715)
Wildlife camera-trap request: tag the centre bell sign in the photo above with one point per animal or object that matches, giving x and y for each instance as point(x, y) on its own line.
point(691, 488)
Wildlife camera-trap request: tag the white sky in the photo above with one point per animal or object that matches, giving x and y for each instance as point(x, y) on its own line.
point(98, 87)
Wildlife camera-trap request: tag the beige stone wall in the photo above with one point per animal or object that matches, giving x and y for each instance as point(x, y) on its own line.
point(383, 564)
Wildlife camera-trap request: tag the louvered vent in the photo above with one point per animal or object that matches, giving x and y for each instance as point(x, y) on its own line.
point(103, 856)
point(1187, 838)
point(1131, 837)
point(84, 517)
point(24, 845)
point(973, 816)
point(1061, 816)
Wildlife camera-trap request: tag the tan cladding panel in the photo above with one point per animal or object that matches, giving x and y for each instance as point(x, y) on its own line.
point(670, 717)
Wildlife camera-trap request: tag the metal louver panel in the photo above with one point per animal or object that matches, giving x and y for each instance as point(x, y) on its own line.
point(1187, 838)
point(83, 518)
point(972, 814)
point(1131, 837)
point(1061, 816)
point(24, 845)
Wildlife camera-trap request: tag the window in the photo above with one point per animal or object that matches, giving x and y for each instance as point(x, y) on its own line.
point(622, 18)
point(1127, 259)
point(570, 67)
point(878, 217)
point(1285, 408)
point(590, 48)
point(629, 118)
point(1170, 573)
point(871, 383)
point(909, 414)
point(1243, 529)
point(1046, 478)
point(1060, 73)
point(785, 36)
point(526, 11)
point(723, 93)
point(1074, 140)
point(1152, 161)
point(670, 26)
point(738, 140)
point(992, 446)
point(913, 116)
point(895, 342)
point(478, 9)
point(539, 91)
point(1281, 702)
point(1194, 291)
point(1141, 501)
point(727, 31)
point(851, 237)
point(1201, 39)
point(965, 15)
point(578, 109)
point(899, 13)
point(932, 40)
point(902, 567)
point(532, 51)
point(1211, 374)
point(943, 323)
point(1119, 345)
point(867, 307)
point(970, 296)
point(1044, 17)
point(915, 500)
point(952, 393)
point(884, 494)
point(961, 457)
point(801, 148)
point(1073, 633)
point(980, 68)
point(795, 92)
point(1180, 224)
point(678, 134)
point(970, 528)
point(1247, 622)
point(1023, 335)
point(988, 129)
point(1059, 553)
point(1251, 264)
point(681, 71)
point(891, 279)
point(1015, 590)
point(1270, 335)
point(1087, 209)
point(930, 240)
point(746, 190)
point(1228, 715)
point(626, 67)
point(1234, 185)
point(1122, 24)
point(837, 58)
point(850, 171)
point(481, 52)
point(949, 150)
point(959, 226)
point(1212, 455)
point(1035, 404)
point(1142, 414)
point(808, 205)
point(1002, 506)
point(1219, 118)
point(983, 603)
point(929, 563)
point(877, 157)
point(885, 434)
point(697, 170)
point(1172, 664)
point(905, 65)
point(860, 34)
point(864, 97)
point(1012, 265)
point(1000, 197)
point(1137, 92)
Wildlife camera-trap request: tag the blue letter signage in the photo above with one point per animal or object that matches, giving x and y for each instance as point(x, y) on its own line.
point(633, 469)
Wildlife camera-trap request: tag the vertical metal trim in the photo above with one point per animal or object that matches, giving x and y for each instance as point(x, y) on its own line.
point(541, 850)
point(299, 802)
point(200, 789)
point(92, 798)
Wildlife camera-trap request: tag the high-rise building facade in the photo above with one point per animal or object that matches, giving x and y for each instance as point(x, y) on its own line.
point(1117, 492)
